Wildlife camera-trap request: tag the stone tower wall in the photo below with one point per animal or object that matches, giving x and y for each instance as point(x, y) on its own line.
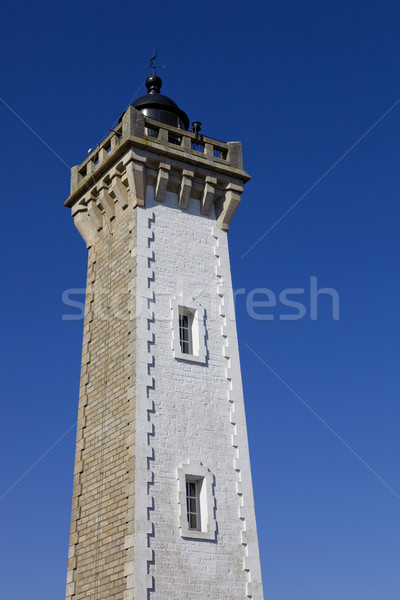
point(103, 492)
point(195, 416)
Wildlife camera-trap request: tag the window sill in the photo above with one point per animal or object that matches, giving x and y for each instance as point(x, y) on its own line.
point(197, 535)
point(189, 357)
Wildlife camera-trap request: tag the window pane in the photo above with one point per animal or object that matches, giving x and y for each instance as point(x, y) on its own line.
point(174, 139)
point(151, 132)
point(192, 504)
point(193, 522)
point(184, 334)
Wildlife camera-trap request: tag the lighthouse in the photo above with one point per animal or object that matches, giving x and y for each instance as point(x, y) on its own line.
point(162, 503)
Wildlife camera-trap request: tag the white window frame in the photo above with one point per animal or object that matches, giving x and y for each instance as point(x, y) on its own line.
point(182, 313)
point(197, 330)
point(195, 471)
point(197, 484)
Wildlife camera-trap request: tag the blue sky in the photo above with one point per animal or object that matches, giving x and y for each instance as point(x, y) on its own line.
point(299, 83)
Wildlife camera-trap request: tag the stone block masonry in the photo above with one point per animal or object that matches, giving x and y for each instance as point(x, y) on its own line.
point(103, 492)
point(198, 412)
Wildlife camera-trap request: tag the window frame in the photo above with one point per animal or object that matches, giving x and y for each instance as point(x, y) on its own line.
point(196, 330)
point(185, 315)
point(193, 494)
point(193, 471)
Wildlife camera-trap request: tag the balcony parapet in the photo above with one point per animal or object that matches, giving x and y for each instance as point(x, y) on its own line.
point(160, 139)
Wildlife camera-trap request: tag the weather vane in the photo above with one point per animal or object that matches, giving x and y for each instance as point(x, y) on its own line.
point(153, 62)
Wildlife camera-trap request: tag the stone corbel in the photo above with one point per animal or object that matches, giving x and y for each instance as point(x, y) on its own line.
point(186, 188)
point(162, 181)
point(136, 174)
point(79, 206)
point(208, 195)
point(85, 226)
point(120, 192)
point(229, 204)
point(94, 212)
point(105, 200)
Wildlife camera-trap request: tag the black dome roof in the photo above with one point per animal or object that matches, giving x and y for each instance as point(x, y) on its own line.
point(160, 107)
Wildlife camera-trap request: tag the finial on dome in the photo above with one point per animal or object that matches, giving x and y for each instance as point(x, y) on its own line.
point(158, 106)
point(153, 84)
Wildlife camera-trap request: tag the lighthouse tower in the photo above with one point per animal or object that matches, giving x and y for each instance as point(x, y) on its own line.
point(162, 500)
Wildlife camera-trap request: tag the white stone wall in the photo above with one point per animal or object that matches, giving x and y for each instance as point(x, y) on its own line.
point(189, 411)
